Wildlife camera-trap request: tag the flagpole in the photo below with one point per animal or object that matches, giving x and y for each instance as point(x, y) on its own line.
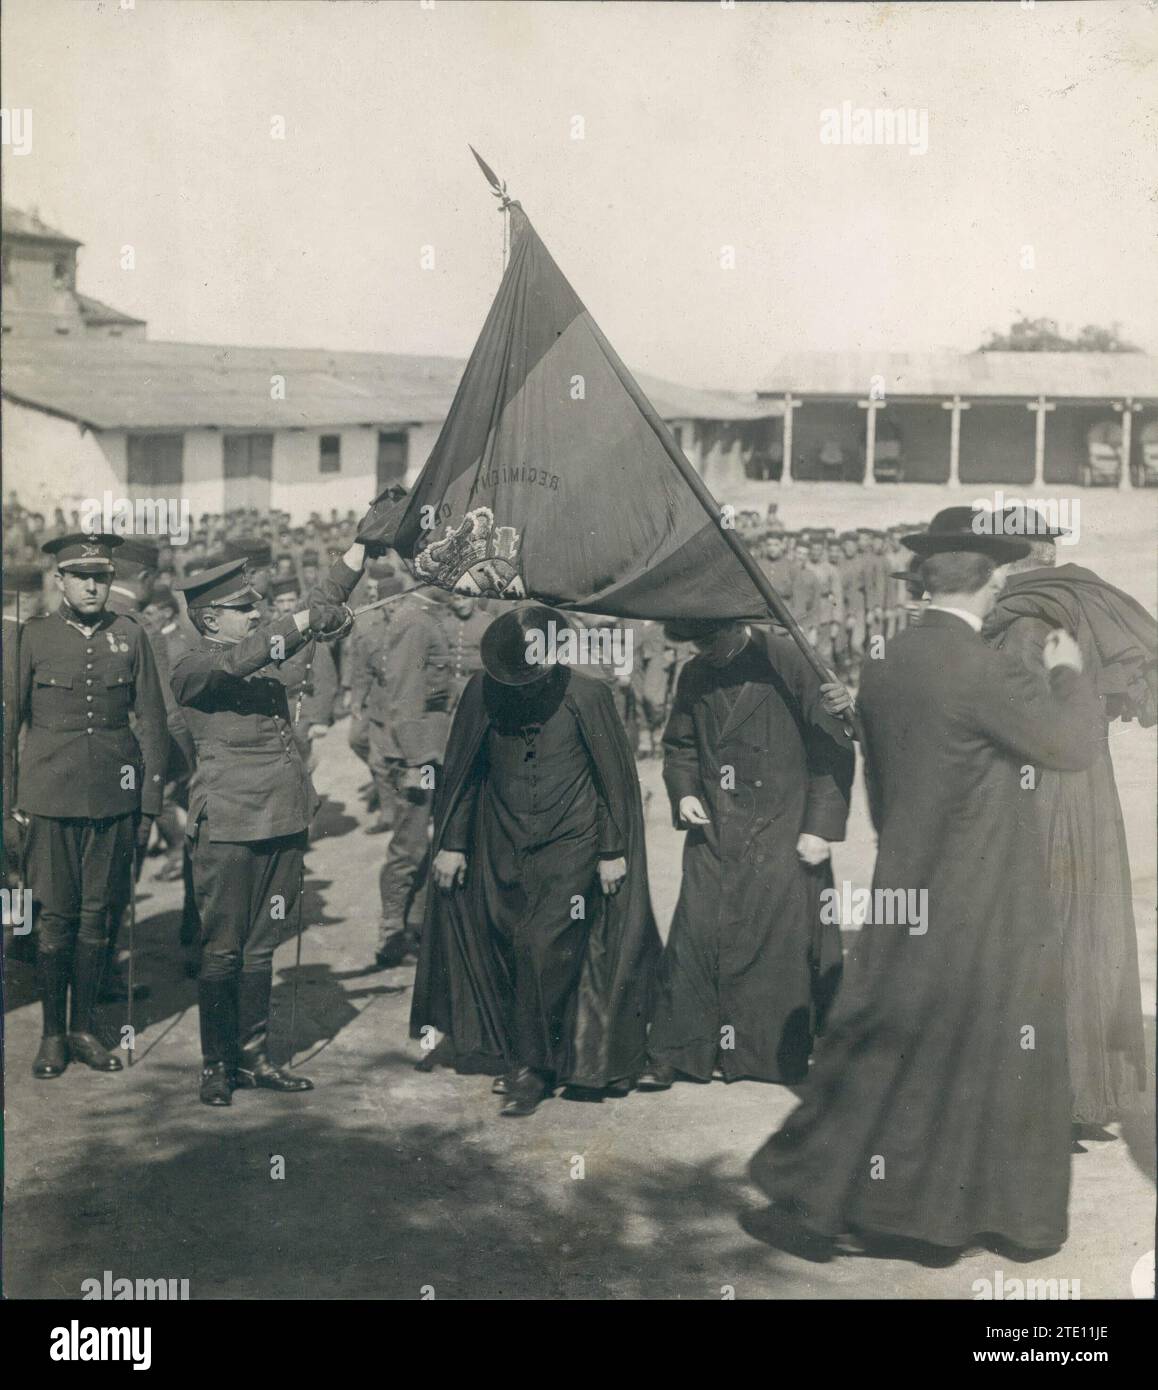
point(776, 605)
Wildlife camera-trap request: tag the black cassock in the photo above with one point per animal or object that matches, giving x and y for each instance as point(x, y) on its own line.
point(937, 1107)
point(528, 964)
point(749, 966)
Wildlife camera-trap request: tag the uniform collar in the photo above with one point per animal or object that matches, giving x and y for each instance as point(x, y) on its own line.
point(86, 629)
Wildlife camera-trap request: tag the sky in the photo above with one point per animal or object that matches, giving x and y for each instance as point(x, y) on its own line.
point(701, 217)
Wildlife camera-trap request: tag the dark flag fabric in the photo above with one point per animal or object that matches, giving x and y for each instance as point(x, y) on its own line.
point(554, 478)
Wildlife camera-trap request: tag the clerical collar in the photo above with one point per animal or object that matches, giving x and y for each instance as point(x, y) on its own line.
point(971, 618)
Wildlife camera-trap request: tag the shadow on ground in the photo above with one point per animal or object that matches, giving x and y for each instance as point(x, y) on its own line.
point(366, 1210)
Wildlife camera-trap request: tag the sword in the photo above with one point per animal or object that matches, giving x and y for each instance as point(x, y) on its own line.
point(132, 952)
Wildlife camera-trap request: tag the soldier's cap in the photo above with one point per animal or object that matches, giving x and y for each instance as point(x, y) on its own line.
point(139, 554)
point(310, 557)
point(84, 554)
point(848, 535)
point(952, 530)
point(223, 586)
point(286, 584)
point(504, 648)
point(284, 555)
point(163, 597)
point(22, 579)
point(250, 548)
point(379, 568)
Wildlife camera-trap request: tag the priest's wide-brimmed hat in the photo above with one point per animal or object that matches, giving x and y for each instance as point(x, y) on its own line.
point(508, 647)
point(965, 529)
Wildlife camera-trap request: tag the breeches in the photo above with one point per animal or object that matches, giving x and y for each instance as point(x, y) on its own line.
point(75, 869)
point(245, 892)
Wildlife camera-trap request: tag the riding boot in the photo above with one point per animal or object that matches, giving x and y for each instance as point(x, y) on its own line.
point(54, 970)
point(254, 1068)
point(88, 970)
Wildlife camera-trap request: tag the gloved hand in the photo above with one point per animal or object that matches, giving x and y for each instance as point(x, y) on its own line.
point(328, 619)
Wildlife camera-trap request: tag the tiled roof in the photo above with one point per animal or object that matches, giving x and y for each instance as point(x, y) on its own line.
point(140, 384)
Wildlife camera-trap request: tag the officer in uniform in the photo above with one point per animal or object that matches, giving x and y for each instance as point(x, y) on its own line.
point(406, 705)
point(250, 801)
point(88, 787)
point(250, 804)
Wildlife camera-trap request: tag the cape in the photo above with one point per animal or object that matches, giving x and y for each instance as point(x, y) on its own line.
point(1118, 637)
point(461, 987)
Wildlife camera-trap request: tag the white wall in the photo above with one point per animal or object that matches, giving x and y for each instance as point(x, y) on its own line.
point(49, 462)
point(299, 488)
point(422, 440)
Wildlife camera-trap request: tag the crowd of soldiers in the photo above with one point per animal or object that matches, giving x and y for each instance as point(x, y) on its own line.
point(158, 699)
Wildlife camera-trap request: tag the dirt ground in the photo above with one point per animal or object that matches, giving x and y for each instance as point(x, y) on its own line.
point(396, 1182)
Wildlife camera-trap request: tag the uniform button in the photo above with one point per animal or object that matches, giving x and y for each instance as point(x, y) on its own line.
point(88, 665)
point(89, 731)
point(89, 682)
point(89, 698)
point(759, 783)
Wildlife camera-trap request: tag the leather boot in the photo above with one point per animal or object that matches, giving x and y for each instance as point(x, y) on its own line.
point(254, 1069)
point(83, 1044)
point(54, 969)
point(217, 1007)
point(216, 1085)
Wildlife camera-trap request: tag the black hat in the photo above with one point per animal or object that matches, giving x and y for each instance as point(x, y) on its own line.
point(223, 586)
point(1028, 523)
point(82, 553)
point(504, 648)
point(310, 557)
point(956, 529)
point(285, 584)
point(22, 579)
point(693, 629)
point(379, 568)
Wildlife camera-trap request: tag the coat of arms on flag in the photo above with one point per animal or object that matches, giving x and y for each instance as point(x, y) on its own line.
point(475, 557)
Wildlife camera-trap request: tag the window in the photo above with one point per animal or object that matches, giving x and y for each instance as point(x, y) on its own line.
point(392, 453)
point(248, 455)
point(330, 453)
point(61, 273)
point(156, 461)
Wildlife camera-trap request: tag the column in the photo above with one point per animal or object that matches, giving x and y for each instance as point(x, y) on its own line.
point(870, 407)
point(1042, 409)
point(1126, 409)
point(789, 406)
point(955, 406)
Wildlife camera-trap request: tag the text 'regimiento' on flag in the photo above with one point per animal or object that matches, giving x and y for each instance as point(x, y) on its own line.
point(554, 478)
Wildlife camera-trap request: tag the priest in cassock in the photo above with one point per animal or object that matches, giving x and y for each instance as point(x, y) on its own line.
point(1079, 818)
point(538, 951)
point(759, 775)
point(937, 1107)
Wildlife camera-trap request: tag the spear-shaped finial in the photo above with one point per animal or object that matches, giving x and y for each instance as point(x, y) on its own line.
point(498, 186)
